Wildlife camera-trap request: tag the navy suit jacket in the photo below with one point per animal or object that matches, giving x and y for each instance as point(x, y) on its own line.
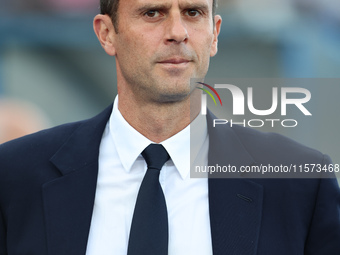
point(48, 183)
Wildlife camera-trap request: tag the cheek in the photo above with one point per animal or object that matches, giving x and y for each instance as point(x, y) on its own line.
point(205, 47)
point(141, 44)
point(128, 48)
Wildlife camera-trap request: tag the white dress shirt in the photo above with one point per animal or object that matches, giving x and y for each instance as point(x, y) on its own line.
point(121, 170)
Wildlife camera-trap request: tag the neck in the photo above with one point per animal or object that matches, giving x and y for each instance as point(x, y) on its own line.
point(158, 121)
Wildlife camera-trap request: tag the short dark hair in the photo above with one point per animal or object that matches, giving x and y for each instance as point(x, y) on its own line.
point(110, 7)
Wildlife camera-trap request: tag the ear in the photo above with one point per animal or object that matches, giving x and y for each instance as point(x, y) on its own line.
point(104, 29)
point(217, 28)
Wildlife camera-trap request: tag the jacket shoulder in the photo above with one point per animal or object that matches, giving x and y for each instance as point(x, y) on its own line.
point(42, 141)
point(47, 141)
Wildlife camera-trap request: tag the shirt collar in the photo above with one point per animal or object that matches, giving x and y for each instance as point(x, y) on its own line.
point(130, 143)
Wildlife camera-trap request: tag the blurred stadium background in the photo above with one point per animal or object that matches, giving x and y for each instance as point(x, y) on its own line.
point(49, 55)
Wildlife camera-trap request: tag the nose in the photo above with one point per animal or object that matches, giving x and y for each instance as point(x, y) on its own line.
point(176, 30)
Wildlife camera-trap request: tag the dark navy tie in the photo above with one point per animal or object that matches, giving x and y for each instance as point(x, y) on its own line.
point(149, 227)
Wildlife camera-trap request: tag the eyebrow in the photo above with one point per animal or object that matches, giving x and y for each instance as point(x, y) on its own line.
point(153, 6)
point(201, 6)
point(165, 6)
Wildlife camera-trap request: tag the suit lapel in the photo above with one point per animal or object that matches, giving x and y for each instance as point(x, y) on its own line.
point(69, 200)
point(235, 203)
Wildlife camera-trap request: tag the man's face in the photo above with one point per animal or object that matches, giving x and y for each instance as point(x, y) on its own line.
point(162, 44)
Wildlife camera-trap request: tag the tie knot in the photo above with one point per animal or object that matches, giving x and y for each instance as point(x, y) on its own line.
point(155, 156)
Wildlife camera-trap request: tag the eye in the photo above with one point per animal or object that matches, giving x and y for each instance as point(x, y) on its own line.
point(193, 13)
point(152, 14)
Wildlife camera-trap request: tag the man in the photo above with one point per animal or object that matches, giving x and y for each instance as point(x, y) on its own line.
point(74, 189)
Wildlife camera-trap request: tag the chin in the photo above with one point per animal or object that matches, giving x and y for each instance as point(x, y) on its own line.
point(171, 91)
point(173, 97)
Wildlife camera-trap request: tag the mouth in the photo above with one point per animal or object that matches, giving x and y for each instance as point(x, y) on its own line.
point(175, 63)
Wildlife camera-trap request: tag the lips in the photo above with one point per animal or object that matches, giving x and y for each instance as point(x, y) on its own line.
point(175, 61)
